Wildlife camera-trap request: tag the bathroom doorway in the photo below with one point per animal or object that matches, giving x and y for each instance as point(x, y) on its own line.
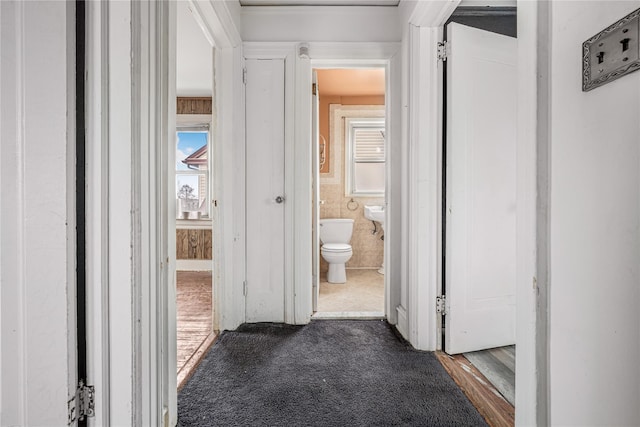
point(349, 180)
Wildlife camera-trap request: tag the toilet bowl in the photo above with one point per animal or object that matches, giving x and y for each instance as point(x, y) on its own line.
point(335, 235)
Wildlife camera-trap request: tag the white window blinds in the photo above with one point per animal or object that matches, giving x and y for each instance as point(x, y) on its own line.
point(368, 144)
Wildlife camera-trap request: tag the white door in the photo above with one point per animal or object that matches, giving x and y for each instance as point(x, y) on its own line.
point(480, 269)
point(315, 236)
point(265, 190)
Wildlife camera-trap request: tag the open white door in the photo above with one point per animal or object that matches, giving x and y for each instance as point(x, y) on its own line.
point(480, 252)
point(265, 190)
point(315, 236)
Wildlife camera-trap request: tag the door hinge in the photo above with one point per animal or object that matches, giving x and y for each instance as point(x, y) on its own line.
point(314, 89)
point(244, 288)
point(441, 305)
point(444, 49)
point(244, 76)
point(82, 404)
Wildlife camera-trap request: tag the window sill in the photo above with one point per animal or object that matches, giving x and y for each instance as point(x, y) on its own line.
point(194, 223)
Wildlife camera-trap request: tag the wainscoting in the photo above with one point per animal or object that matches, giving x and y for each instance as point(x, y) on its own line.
point(193, 244)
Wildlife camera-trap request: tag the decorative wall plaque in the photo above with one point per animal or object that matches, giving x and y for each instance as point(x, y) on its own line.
point(611, 53)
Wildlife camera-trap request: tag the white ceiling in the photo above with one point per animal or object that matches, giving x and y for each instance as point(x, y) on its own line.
point(194, 57)
point(319, 2)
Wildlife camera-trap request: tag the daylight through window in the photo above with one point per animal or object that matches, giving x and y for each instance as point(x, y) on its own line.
point(192, 172)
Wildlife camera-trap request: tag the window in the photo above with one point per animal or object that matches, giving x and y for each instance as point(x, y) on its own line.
point(192, 172)
point(365, 157)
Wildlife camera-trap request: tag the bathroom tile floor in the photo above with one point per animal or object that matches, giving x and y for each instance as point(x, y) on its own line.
point(363, 293)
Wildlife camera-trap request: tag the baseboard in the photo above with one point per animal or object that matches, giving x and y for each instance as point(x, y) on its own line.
point(402, 325)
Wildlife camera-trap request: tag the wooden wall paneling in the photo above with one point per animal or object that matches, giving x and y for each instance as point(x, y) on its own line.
point(194, 244)
point(193, 105)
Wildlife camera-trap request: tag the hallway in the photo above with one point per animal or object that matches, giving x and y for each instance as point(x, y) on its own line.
point(327, 373)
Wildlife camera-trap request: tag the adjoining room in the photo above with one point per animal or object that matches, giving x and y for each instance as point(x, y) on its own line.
point(193, 190)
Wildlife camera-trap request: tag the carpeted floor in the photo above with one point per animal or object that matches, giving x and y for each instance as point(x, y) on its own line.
point(327, 373)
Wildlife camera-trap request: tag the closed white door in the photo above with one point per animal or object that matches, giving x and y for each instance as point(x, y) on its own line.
point(265, 190)
point(480, 269)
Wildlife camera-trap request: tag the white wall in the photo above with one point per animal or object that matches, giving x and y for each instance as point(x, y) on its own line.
point(194, 55)
point(594, 229)
point(36, 219)
point(309, 24)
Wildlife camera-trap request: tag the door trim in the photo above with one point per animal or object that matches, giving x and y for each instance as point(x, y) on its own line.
point(345, 55)
point(228, 152)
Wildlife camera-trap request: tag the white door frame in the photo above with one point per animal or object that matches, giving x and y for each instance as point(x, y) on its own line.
point(130, 123)
point(424, 73)
point(228, 151)
point(131, 126)
point(337, 55)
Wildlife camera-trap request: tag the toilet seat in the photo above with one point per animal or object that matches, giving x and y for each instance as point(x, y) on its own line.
point(336, 247)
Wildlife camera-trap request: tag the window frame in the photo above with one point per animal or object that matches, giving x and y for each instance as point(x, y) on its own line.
point(351, 124)
point(195, 123)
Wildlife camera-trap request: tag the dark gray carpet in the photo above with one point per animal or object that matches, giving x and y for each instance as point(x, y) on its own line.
point(327, 373)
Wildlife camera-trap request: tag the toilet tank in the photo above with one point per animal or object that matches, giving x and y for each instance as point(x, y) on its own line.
point(336, 230)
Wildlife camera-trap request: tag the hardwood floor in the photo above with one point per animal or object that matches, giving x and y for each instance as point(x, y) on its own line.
point(483, 395)
point(194, 320)
point(499, 366)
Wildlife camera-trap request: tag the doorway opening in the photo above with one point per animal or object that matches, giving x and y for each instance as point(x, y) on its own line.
point(193, 174)
point(349, 176)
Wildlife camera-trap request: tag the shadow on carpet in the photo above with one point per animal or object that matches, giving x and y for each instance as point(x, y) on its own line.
point(327, 373)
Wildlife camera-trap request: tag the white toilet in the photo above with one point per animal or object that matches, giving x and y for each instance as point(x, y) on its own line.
point(335, 234)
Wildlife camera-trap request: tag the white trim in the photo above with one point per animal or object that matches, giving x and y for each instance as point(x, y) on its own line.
point(194, 265)
point(532, 227)
point(334, 55)
point(117, 20)
point(217, 23)
point(194, 224)
point(394, 187)
point(131, 107)
point(97, 226)
point(228, 147)
point(194, 119)
point(301, 291)
point(425, 186)
point(402, 323)
point(338, 112)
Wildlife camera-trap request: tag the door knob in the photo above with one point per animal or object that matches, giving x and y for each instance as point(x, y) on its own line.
point(279, 199)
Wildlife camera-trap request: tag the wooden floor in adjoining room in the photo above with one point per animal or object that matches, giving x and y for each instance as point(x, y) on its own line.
point(194, 320)
point(499, 366)
point(495, 409)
